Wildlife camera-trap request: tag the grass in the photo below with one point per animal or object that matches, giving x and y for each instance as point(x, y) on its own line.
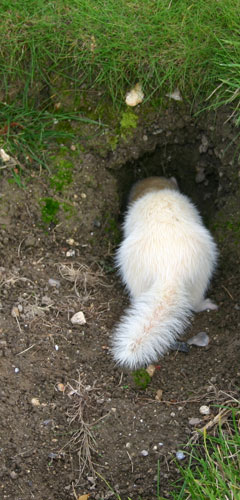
point(65, 47)
point(113, 44)
point(213, 471)
point(26, 132)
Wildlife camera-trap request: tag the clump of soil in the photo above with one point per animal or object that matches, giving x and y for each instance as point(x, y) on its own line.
point(67, 411)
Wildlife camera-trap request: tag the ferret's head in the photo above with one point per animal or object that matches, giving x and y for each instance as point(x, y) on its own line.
point(151, 184)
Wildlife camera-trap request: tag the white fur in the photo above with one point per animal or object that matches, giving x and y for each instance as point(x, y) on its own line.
point(166, 260)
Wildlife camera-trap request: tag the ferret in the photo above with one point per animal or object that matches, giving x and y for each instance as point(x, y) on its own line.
point(166, 260)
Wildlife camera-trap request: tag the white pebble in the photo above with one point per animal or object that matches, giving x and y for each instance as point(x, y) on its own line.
point(70, 241)
point(144, 453)
point(180, 455)
point(16, 370)
point(53, 282)
point(135, 96)
point(204, 410)
point(4, 156)
point(35, 402)
point(70, 253)
point(78, 318)
point(56, 347)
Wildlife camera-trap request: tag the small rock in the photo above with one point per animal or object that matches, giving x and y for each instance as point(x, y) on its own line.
point(78, 318)
point(135, 96)
point(180, 455)
point(15, 312)
point(54, 283)
point(159, 394)
point(194, 421)
point(70, 241)
point(16, 370)
point(30, 241)
point(151, 370)
point(175, 95)
point(13, 474)
point(204, 410)
point(4, 156)
point(204, 146)
point(200, 340)
point(56, 347)
point(35, 402)
point(46, 301)
point(144, 453)
point(200, 177)
point(70, 253)
point(60, 387)
point(20, 308)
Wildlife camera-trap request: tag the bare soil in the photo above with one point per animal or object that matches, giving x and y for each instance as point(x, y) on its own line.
point(60, 390)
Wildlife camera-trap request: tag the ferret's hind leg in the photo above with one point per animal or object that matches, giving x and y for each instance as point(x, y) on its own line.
point(206, 305)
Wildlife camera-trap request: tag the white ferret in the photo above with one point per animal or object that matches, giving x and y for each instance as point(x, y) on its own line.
point(166, 260)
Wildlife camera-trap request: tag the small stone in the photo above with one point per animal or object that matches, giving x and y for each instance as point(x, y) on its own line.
point(70, 241)
point(204, 410)
point(4, 156)
point(13, 474)
point(144, 453)
point(30, 241)
point(16, 370)
point(78, 318)
point(35, 402)
point(200, 340)
point(83, 196)
point(128, 445)
point(200, 177)
point(46, 301)
point(60, 387)
point(15, 312)
point(56, 347)
point(20, 308)
point(175, 95)
point(151, 370)
point(135, 96)
point(180, 455)
point(70, 253)
point(194, 421)
point(204, 146)
point(54, 283)
point(159, 394)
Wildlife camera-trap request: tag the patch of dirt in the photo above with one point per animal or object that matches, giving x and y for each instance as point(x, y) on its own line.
point(60, 390)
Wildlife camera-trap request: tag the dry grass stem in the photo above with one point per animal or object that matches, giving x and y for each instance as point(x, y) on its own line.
point(83, 279)
point(82, 397)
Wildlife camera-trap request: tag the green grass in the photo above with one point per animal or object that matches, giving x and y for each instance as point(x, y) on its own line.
point(161, 43)
point(213, 472)
point(49, 50)
point(25, 132)
point(213, 468)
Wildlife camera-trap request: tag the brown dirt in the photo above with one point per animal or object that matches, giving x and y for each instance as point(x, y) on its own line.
point(40, 348)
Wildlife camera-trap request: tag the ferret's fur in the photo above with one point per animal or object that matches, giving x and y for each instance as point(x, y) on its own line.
point(166, 260)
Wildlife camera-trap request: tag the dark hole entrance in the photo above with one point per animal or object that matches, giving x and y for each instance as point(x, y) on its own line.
point(196, 173)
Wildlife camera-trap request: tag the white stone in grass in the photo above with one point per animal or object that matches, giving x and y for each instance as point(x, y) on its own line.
point(4, 156)
point(135, 96)
point(180, 455)
point(78, 318)
point(175, 95)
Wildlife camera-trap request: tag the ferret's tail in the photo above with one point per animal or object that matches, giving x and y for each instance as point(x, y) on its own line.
point(151, 325)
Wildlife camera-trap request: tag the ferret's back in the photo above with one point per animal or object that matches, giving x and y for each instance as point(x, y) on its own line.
point(162, 211)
